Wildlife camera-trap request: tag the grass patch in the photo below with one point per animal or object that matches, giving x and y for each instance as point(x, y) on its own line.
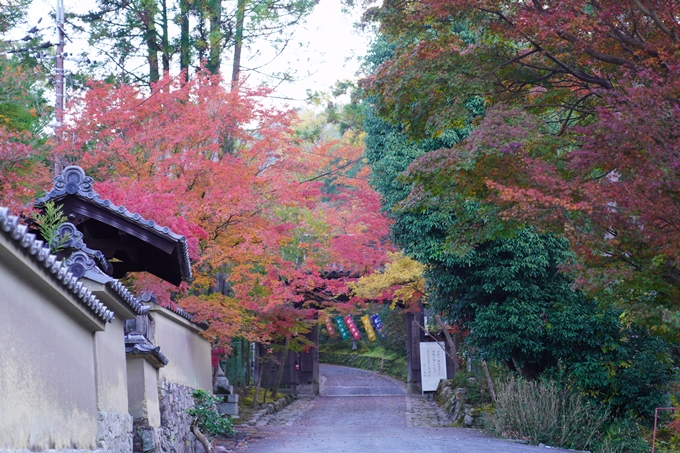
point(245, 404)
point(544, 411)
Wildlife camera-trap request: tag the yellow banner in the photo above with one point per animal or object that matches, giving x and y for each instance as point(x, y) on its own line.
point(369, 328)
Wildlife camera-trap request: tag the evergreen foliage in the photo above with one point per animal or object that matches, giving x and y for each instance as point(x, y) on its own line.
point(502, 281)
point(48, 223)
point(206, 416)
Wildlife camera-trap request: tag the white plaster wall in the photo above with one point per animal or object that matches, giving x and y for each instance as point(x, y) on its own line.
point(143, 391)
point(187, 351)
point(111, 368)
point(47, 375)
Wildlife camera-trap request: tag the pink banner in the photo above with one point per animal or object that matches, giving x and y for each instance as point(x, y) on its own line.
point(353, 329)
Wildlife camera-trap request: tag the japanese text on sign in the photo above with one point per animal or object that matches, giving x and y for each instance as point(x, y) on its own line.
point(377, 322)
point(432, 365)
point(329, 328)
point(342, 327)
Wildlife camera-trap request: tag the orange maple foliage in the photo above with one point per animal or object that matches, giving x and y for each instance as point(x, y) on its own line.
point(22, 170)
point(264, 233)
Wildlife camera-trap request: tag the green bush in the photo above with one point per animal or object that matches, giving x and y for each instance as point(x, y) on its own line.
point(204, 412)
point(630, 372)
point(543, 411)
point(623, 436)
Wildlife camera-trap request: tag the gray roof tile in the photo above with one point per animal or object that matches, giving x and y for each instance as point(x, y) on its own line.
point(73, 181)
point(40, 254)
point(176, 309)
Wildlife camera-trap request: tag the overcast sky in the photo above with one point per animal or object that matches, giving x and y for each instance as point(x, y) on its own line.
point(324, 49)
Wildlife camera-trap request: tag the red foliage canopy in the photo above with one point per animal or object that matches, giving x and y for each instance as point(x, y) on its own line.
point(581, 131)
point(218, 167)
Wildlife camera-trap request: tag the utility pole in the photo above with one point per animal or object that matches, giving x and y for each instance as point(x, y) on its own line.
point(59, 83)
point(59, 77)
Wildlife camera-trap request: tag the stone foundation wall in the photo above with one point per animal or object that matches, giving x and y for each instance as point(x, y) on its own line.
point(114, 432)
point(452, 400)
point(145, 438)
point(174, 435)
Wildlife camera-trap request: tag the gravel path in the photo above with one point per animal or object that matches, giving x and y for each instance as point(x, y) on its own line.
point(359, 411)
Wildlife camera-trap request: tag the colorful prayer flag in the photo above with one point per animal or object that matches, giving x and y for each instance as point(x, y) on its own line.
point(330, 328)
point(342, 328)
point(352, 327)
point(377, 322)
point(369, 329)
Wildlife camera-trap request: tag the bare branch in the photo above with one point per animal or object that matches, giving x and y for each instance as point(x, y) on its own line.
point(613, 59)
point(659, 23)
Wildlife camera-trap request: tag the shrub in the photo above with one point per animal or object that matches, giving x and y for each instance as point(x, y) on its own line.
point(623, 436)
point(543, 411)
point(206, 417)
point(630, 373)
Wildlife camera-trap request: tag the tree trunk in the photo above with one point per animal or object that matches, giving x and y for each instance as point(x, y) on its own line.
point(238, 42)
point(184, 41)
point(166, 51)
point(449, 342)
point(148, 19)
point(259, 380)
point(489, 382)
point(246, 360)
point(214, 376)
point(282, 365)
point(269, 383)
point(201, 438)
point(215, 36)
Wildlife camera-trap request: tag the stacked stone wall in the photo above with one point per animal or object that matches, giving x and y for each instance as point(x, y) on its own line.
point(114, 432)
point(453, 401)
point(175, 432)
point(174, 435)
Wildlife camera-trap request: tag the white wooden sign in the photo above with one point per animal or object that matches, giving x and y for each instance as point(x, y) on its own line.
point(432, 365)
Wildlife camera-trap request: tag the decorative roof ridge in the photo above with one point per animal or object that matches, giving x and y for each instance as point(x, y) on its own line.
point(73, 181)
point(40, 254)
point(136, 343)
point(176, 309)
point(81, 264)
point(73, 238)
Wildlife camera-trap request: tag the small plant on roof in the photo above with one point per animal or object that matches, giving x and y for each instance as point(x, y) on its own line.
point(48, 223)
point(207, 422)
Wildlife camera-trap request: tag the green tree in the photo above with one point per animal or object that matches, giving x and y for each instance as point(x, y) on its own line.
point(580, 137)
point(12, 12)
point(124, 31)
point(206, 421)
point(501, 280)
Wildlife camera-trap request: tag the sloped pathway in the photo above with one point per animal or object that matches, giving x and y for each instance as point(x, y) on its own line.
point(360, 411)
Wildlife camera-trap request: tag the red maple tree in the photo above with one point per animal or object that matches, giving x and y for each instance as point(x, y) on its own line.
point(580, 135)
point(265, 235)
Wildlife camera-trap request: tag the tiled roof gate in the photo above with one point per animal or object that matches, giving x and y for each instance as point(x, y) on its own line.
point(145, 246)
